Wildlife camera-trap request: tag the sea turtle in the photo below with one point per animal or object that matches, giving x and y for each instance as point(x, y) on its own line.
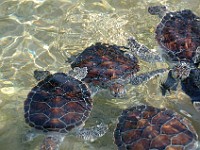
point(145, 127)
point(111, 66)
point(178, 36)
point(59, 103)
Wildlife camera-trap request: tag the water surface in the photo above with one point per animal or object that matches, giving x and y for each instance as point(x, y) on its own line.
point(41, 34)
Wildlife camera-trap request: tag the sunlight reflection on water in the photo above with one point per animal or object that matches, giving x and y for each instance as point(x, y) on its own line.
point(42, 34)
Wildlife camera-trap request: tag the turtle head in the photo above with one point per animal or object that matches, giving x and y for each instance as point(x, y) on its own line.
point(117, 90)
point(41, 75)
point(181, 71)
point(157, 10)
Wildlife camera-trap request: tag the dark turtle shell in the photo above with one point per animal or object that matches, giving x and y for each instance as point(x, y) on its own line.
point(145, 127)
point(106, 64)
point(178, 34)
point(58, 103)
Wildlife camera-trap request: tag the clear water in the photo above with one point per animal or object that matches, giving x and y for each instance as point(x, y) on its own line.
point(41, 34)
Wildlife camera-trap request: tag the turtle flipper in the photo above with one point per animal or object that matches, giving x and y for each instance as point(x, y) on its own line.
point(157, 10)
point(92, 133)
point(29, 136)
point(40, 75)
point(142, 51)
point(191, 87)
point(78, 73)
point(137, 80)
point(169, 84)
point(196, 58)
point(195, 75)
point(52, 141)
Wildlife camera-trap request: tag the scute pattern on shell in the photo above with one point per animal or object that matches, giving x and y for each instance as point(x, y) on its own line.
point(179, 34)
point(145, 127)
point(58, 103)
point(106, 63)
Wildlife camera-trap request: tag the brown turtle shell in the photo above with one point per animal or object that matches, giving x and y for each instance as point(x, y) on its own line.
point(58, 103)
point(106, 64)
point(145, 127)
point(178, 34)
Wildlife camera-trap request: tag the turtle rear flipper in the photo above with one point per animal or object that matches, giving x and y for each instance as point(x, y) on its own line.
point(52, 141)
point(169, 84)
point(92, 133)
point(41, 75)
point(29, 136)
point(142, 51)
point(137, 80)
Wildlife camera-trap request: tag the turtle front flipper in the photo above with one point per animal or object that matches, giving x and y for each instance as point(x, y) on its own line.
point(41, 75)
point(92, 133)
point(142, 51)
point(137, 80)
point(191, 87)
point(195, 75)
point(169, 84)
point(196, 58)
point(157, 10)
point(52, 141)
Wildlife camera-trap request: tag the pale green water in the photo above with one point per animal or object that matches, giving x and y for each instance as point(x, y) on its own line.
point(43, 34)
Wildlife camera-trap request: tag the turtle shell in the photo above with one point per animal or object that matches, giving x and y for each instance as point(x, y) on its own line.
point(106, 64)
point(58, 103)
point(178, 34)
point(145, 127)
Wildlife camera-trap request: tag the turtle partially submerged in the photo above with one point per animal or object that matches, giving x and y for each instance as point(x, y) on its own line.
point(145, 127)
point(112, 67)
point(59, 103)
point(178, 36)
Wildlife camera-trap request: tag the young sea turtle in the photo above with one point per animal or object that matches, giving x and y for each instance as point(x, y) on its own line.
point(145, 127)
point(178, 35)
point(58, 104)
point(110, 66)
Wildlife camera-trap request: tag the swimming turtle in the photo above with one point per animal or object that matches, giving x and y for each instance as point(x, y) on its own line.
point(59, 103)
point(178, 36)
point(145, 127)
point(111, 66)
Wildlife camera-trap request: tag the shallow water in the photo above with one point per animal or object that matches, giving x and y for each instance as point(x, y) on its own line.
point(42, 34)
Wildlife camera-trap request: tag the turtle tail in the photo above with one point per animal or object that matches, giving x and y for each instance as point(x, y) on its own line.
point(92, 133)
point(52, 142)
